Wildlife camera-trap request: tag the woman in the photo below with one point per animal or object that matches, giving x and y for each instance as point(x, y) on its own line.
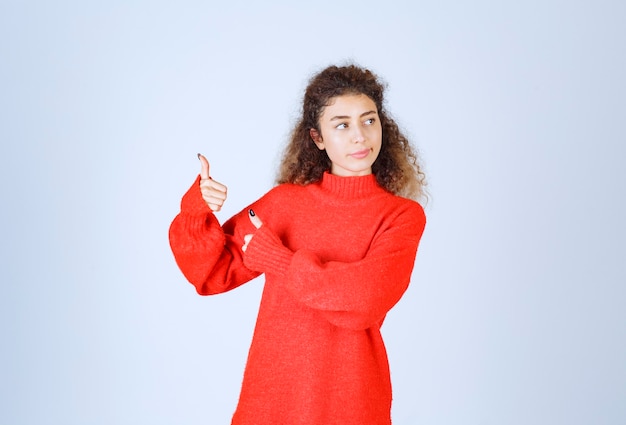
point(336, 240)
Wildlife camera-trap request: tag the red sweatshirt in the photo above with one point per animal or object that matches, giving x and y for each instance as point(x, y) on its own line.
point(337, 255)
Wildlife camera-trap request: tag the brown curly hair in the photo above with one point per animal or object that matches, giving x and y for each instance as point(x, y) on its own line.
point(397, 168)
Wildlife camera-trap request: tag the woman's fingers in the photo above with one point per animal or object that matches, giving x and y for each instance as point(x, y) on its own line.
point(246, 241)
point(256, 221)
point(212, 185)
point(211, 188)
point(214, 197)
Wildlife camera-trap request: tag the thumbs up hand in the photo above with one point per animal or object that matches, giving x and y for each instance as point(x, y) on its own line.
point(213, 193)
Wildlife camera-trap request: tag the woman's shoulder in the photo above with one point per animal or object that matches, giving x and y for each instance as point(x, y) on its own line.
point(411, 204)
point(404, 209)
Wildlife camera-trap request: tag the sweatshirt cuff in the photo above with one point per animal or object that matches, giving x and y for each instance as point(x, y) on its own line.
point(266, 253)
point(192, 202)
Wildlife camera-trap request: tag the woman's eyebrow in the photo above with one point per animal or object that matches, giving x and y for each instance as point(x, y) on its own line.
point(345, 117)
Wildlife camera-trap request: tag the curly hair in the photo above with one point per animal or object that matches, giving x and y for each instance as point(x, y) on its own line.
point(397, 167)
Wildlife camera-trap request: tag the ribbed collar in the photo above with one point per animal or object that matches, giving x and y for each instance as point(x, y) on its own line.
point(350, 187)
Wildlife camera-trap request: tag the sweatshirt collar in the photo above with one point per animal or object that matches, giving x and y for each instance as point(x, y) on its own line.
point(350, 187)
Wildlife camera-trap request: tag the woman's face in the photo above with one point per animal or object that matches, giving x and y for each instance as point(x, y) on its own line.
point(351, 134)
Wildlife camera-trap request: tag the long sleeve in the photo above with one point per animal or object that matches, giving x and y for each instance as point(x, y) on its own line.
point(354, 295)
point(208, 254)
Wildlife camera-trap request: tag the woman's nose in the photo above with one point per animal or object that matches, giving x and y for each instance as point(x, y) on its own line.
point(358, 135)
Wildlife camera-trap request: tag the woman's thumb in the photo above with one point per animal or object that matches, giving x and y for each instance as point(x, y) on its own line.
point(204, 167)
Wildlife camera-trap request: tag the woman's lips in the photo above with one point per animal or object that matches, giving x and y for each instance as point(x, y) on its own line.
point(360, 154)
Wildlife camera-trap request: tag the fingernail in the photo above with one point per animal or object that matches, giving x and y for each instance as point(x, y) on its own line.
point(252, 214)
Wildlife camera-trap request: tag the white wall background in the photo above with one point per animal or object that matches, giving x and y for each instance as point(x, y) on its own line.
point(516, 310)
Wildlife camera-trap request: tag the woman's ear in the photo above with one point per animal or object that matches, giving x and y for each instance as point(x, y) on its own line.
point(317, 138)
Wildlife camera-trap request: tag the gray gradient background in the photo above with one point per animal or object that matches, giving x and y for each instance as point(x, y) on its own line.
point(516, 310)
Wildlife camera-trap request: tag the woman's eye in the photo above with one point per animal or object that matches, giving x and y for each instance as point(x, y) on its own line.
point(342, 125)
point(369, 121)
